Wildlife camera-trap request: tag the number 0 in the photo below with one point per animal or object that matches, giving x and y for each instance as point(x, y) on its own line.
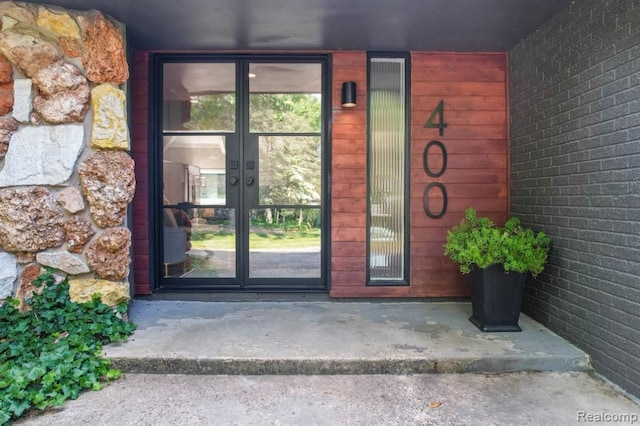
point(425, 200)
point(425, 159)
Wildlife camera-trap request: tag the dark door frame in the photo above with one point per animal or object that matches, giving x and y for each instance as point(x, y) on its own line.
point(159, 283)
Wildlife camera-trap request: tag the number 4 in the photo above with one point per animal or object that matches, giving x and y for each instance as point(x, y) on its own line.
point(439, 111)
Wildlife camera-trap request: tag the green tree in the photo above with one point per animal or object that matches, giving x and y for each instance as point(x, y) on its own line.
point(215, 112)
point(290, 164)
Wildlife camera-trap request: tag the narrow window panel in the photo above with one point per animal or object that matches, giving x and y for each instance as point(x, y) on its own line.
point(387, 144)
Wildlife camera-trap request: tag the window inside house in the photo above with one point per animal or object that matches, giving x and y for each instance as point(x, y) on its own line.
point(387, 170)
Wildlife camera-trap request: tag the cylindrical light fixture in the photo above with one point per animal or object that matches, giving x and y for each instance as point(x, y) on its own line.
point(349, 94)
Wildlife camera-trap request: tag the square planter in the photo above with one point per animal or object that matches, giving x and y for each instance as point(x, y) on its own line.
point(496, 298)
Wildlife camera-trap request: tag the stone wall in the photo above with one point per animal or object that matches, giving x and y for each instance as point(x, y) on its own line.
point(575, 157)
point(65, 178)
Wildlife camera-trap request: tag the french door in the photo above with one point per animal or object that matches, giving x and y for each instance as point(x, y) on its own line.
point(241, 161)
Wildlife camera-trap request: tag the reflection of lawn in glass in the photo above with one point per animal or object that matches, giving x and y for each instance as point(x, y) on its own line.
point(265, 238)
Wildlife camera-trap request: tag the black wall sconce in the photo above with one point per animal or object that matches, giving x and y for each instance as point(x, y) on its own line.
point(349, 94)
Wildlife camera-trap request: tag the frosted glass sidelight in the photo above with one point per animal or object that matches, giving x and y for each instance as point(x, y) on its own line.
point(386, 169)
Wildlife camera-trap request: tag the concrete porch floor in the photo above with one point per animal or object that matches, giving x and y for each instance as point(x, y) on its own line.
point(331, 338)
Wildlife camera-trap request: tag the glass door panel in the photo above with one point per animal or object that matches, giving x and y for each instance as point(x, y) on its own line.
point(199, 243)
point(193, 169)
point(285, 97)
point(290, 170)
point(199, 97)
point(285, 116)
point(285, 243)
point(241, 168)
point(199, 230)
point(199, 135)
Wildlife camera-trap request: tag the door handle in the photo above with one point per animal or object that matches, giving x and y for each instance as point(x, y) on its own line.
point(250, 180)
point(233, 180)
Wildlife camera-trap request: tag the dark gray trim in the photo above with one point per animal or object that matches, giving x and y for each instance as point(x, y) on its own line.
point(154, 72)
point(326, 165)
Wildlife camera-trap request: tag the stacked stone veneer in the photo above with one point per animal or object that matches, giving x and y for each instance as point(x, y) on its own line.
point(575, 158)
point(65, 178)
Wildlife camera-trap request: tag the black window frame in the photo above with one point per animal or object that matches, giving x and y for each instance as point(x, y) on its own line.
point(159, 283)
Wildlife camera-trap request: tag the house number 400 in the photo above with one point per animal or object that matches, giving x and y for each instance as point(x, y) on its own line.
point(441, 125)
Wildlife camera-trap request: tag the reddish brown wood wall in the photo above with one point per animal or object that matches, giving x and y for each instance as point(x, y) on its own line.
point(139, 153)
point(473, 88)
point(348, 176)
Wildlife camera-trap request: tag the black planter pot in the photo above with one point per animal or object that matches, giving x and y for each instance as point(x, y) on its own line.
point(496, 298)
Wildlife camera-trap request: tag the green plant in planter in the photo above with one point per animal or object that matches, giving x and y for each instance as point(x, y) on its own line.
point(477, 243)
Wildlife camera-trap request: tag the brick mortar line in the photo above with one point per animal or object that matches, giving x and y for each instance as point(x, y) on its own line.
point(575, 325)
point(584, 307)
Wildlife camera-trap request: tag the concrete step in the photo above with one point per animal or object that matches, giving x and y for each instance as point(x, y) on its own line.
point(287, 338)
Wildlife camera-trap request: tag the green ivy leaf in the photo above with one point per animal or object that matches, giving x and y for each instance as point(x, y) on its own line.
point(52, 352)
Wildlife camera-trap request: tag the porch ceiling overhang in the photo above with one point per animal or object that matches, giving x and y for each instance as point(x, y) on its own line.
point(428, 25)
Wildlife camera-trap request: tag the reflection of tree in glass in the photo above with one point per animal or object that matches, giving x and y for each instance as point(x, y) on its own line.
point(290, 170)
point(269, 113)
point(216, 112)
point(284, 113)
point(289, 165)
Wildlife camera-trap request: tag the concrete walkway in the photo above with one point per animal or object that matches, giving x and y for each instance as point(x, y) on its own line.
point(318, 363)
point(331, 338)
point(545, 399)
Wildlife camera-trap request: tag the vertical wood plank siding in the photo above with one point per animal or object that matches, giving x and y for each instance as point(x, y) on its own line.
point(473, 87)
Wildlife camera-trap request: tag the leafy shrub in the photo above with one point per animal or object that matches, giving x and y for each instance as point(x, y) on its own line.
point(50, 353)
point(477, 242)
